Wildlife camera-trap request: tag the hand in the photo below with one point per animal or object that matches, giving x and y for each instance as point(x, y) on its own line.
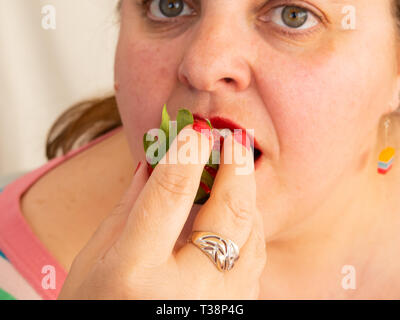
point(132, 256)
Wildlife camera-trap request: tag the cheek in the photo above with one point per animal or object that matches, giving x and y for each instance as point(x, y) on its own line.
point(324, 107)
point(146, 76)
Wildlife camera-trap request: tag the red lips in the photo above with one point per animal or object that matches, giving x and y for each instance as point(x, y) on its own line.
point(202, 126)
point(224, 123)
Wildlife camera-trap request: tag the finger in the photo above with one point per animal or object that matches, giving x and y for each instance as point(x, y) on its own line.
point(161, 210)
point(230, 210)
point(111, 226)
point(231, 207)
point(253, 255)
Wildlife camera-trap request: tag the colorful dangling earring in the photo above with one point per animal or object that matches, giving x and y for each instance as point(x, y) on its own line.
point(386, 156)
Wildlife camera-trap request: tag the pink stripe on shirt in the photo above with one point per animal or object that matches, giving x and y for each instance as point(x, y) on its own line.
point(17, 241)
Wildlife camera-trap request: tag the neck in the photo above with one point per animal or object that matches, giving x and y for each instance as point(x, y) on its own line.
point(357, 226)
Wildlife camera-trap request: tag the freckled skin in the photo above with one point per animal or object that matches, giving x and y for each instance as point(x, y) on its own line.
point(314, 102)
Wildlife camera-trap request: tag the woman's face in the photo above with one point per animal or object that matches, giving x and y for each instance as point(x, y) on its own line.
point(312, 90)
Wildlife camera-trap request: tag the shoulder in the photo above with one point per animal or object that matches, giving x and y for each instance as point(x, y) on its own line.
point(65, 206)
point(78, 171)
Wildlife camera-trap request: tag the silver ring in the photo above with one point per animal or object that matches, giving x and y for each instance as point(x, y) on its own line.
point(223, 252)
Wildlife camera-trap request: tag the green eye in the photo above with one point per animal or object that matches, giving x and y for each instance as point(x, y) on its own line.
point(171, 8)
point(294, 17)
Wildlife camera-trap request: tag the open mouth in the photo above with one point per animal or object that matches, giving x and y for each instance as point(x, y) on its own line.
point(224, 123)
point(257, 154)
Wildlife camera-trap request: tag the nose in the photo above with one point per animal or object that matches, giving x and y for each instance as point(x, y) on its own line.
point(217, 57)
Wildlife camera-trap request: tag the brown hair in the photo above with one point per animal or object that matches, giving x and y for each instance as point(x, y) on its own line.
point(82, 123)
point(90, 119)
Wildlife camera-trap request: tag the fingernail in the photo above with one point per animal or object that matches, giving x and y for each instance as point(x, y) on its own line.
point(138, 166)
point(149, 169)
point(202, 126)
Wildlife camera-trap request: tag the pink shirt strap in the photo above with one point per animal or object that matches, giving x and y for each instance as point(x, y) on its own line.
point(19, 244)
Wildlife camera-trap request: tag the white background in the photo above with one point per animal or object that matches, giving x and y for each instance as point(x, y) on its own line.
point(43, 72)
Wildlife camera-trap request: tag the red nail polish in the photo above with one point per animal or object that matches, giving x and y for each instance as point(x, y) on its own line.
point(202, 126)
point(138, 166)
point(149, 169)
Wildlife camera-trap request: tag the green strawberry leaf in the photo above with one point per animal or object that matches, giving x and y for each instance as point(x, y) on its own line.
point(213, 165)
point(148, 140)
point(165, 122)
point(207, 179)
point(157, 141)
point(214, 157)
point(201, 196)
point(163, 143)
point(209, 123)
point(183, 119)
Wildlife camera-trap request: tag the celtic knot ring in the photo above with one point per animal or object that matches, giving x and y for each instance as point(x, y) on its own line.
point(223, 252)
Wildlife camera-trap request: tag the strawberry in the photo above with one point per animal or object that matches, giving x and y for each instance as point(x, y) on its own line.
point(164, 141)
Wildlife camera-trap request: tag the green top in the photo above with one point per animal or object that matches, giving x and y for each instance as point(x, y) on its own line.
point(5, 295)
